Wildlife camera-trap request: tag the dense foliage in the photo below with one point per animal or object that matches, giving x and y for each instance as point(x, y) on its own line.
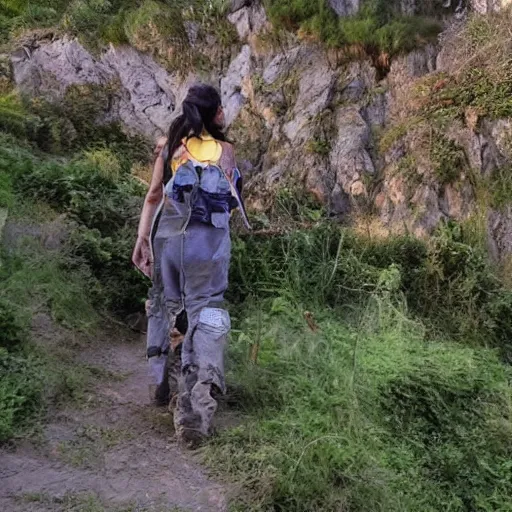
point(85, 194)
point(353, 393)
point(379, 30)
point(149, 25)
point(368, 374)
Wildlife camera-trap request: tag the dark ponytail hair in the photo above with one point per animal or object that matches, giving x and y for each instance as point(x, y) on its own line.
point(199, 110)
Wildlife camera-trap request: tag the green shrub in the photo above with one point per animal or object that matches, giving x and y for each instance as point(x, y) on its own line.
point(12, 329)
point(500, 186)
point(85, 17)
point(156, 27)
point(121, 289)
point(13, 116)
point(21, 388)
point(105, 162)
point(378, 29)
point(319, 146)
point(366, 417)
point(105, 210)
point(78, 122)
point(475, 88)
point(114, 31)
point(6, 195)
point(448, 158)
point(16, 16)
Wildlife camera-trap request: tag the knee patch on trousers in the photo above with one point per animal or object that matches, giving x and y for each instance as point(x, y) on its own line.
point(216, 320)
point(209, 339)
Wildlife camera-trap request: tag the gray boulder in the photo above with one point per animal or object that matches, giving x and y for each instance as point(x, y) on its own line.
point(51, 68)
point(344, 7)
point(147, 101)
point(349, 157)
point(233, 97)
point(248, 20)
point(315, 92)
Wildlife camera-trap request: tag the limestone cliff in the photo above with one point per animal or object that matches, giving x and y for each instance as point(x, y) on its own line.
point(368, 145)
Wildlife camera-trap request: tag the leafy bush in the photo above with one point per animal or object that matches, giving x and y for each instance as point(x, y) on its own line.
point(500, 187)
point(13, 116)
point(91, 19)
point(449, 97)
point(150, 25)
point(446, 282)
point(378, 29)
point(21, 389)
point(17, 15)
point(12, 330)
point(362, 415)
point(121, 288)
point(448, 158)
point(104, 208)
point(105, 161)
point(155, 26)
point(78, 122)
point(6, 195)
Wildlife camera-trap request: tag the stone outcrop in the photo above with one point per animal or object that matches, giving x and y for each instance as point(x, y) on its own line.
point(345, 7)
point(145, 98)
point(300, 119)
point(232, 85)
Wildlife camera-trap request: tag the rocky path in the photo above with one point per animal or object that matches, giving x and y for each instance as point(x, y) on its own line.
point(112, 452)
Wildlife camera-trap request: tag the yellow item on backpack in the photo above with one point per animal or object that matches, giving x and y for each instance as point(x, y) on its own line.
point(204, 149)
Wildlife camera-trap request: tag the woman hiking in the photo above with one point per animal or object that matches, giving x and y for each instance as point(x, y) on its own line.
point(184, 245)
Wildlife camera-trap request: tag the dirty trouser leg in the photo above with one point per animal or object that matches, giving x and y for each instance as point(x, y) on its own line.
point(204, 261)
point(209, 338)
point(157, 346)
point(160, 322)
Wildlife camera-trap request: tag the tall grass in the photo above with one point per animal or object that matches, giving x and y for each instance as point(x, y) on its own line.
point(100, 202)
point(448, 284)
point(98, 194)
point(360, 370)
point(150, 25)
point(363, 414)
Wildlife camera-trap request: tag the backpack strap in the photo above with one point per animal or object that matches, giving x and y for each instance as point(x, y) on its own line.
point(233, 177)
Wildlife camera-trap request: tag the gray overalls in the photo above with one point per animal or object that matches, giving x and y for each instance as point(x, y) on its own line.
point(191, 253)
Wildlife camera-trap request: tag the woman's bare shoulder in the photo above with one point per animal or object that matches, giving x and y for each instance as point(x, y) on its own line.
point(227, 159)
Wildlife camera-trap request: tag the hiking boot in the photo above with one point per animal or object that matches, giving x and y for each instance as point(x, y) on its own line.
point(194, 410)
point(160, 396)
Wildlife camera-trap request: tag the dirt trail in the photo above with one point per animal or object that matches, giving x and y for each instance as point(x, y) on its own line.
point(112, 452)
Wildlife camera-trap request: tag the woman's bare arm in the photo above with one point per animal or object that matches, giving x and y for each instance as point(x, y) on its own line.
point(153, 198)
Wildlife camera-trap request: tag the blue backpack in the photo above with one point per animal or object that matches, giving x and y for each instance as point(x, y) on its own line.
point(205, 194)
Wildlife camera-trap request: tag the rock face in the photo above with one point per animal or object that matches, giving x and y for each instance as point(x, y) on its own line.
point(301, 119)
point(344, 7)
point(50, 69)
point(233, 97)
point(349, 157)
point(249, 19)
point(486, 6)
point(315, 90)
point(145, 98)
